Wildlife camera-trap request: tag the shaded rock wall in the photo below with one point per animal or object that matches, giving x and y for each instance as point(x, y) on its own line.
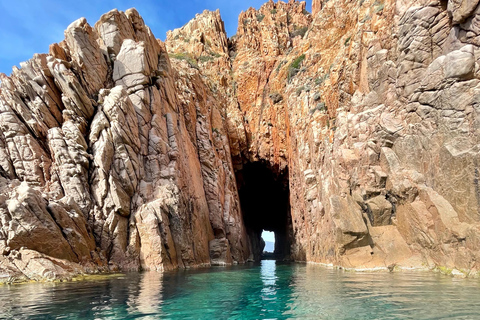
point(116, 155)
point(372, 107)
point(120, 164)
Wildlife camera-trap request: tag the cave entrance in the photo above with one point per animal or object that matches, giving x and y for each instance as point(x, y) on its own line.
point(265, 201)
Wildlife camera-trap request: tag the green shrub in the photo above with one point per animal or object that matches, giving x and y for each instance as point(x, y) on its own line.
point(273, 11)
point(205, 58)
point(347, 41)
point(320, 80)
point(379, 6)
point(444, 270)
point(320, 107)
point(294, 67)
point(305, 12)
point(214, 54)
point(297, 62)
point(300, 89)
point(292, 73)
point(280, 65)
point(303, 88)
point(299, 32)
point(260, 17)
point(185, 57)
point(276, 97)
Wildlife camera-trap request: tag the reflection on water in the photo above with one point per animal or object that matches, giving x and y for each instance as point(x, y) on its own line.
point(148, 301)
point(272, 290)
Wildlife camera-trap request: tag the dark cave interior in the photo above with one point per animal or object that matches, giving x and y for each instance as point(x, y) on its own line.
point(264, 197)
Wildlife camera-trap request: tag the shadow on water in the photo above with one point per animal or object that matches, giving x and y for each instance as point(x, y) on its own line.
point(267, 290)
point(211, 293)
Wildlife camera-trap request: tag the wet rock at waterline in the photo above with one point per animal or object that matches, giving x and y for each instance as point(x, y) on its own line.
point(352, 132)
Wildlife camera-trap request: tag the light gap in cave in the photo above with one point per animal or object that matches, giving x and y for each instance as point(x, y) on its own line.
point(269, 239)
point(265, 201)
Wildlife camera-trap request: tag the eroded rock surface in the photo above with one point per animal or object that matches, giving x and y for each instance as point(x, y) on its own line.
point(120, 152)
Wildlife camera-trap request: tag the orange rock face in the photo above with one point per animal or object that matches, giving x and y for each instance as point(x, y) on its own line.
point(316, 6)
point(335, 99)
point(352, 132)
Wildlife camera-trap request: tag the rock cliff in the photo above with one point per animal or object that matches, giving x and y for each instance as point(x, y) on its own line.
point(352, 132)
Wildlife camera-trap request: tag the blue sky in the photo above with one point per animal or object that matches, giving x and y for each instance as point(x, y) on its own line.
point(268, 236)
point(30, 26)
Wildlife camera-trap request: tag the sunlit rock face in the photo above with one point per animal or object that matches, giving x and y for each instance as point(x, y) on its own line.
point(109, 159)
point(120, 152)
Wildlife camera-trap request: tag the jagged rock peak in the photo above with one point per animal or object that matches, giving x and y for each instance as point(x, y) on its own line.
point(316, 6)
point(204, 35)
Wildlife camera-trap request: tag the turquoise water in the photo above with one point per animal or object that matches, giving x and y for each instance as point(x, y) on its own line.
point(271, 290)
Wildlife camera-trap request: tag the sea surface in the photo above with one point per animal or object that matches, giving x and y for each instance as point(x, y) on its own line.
point(270, 290)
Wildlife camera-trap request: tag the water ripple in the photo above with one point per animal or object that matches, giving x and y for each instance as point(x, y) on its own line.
point(267, 291)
